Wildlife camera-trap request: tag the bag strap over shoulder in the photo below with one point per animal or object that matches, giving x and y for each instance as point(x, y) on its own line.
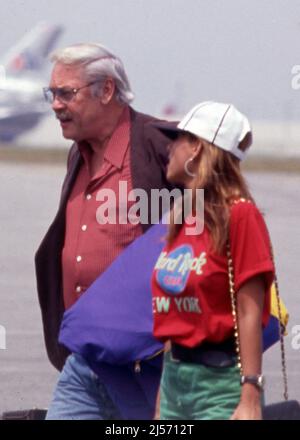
point(235, 318)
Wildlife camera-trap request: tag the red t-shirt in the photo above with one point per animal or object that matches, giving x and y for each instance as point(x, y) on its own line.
point(191, 297)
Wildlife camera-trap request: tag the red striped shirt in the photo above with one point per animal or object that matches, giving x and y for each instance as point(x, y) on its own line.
point(90, 247)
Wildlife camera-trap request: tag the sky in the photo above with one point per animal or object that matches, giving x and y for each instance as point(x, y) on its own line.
point(182, 52)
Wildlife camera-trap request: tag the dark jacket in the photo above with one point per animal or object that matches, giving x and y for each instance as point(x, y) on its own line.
point(148, 161)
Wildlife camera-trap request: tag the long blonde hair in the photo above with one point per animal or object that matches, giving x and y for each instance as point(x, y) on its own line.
point(220, 176)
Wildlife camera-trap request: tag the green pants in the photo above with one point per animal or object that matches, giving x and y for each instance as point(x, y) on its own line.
point(196, 392)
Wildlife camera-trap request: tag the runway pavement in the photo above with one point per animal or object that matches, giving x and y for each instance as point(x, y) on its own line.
point(29, 195)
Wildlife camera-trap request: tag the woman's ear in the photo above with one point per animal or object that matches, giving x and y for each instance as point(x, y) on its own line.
point(197, 149)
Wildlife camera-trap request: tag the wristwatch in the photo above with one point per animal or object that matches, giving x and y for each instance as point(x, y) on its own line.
point(258, 380)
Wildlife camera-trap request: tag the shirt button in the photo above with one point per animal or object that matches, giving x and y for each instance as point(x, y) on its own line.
point(78, 259)
point(84, 227)
point(78, 289)
point(88, 197)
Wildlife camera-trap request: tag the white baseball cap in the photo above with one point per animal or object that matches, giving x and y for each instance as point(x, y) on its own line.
point(218, 123)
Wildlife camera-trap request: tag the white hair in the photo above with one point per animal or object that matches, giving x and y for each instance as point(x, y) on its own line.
point(98, 64)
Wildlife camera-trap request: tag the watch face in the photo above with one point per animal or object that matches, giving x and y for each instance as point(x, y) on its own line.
point(259, 381)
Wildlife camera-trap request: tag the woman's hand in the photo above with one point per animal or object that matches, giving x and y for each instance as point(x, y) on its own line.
point(249, 407)
point(246, 411)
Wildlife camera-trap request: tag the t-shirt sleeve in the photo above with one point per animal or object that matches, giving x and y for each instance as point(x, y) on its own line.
point(250, 245)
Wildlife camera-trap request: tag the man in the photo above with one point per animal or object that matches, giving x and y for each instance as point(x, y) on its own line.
point(90, 95)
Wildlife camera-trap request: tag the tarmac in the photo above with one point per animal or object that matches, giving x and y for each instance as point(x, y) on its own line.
point(29, 194)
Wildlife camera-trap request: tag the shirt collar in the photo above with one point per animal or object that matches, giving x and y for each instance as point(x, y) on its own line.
point(117, 145)
point(119, 141)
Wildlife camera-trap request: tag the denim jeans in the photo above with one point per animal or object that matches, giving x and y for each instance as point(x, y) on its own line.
point(80, 395)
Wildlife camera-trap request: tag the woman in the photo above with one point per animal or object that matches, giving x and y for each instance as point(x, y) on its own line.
point(191, 295)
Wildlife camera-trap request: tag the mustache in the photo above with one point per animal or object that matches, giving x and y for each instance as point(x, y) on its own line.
point(63, 116)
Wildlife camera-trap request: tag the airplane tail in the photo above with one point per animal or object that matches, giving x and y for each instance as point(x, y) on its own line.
point(30, 53)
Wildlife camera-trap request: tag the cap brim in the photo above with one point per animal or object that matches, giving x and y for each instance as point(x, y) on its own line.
point(168, 128)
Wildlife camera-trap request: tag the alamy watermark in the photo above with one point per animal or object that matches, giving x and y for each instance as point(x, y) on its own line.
point(2, 338)
point(137, 206)
point(296, 337)
point(295, 82)
point(2, 77)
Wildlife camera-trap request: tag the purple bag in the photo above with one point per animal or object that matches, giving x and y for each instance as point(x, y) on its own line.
point(112, 322)
point(111, 327)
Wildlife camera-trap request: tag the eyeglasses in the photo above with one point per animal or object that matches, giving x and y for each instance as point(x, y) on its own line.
point(64, 94)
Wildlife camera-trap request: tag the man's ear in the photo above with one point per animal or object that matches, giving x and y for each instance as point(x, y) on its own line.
point(108, 91)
